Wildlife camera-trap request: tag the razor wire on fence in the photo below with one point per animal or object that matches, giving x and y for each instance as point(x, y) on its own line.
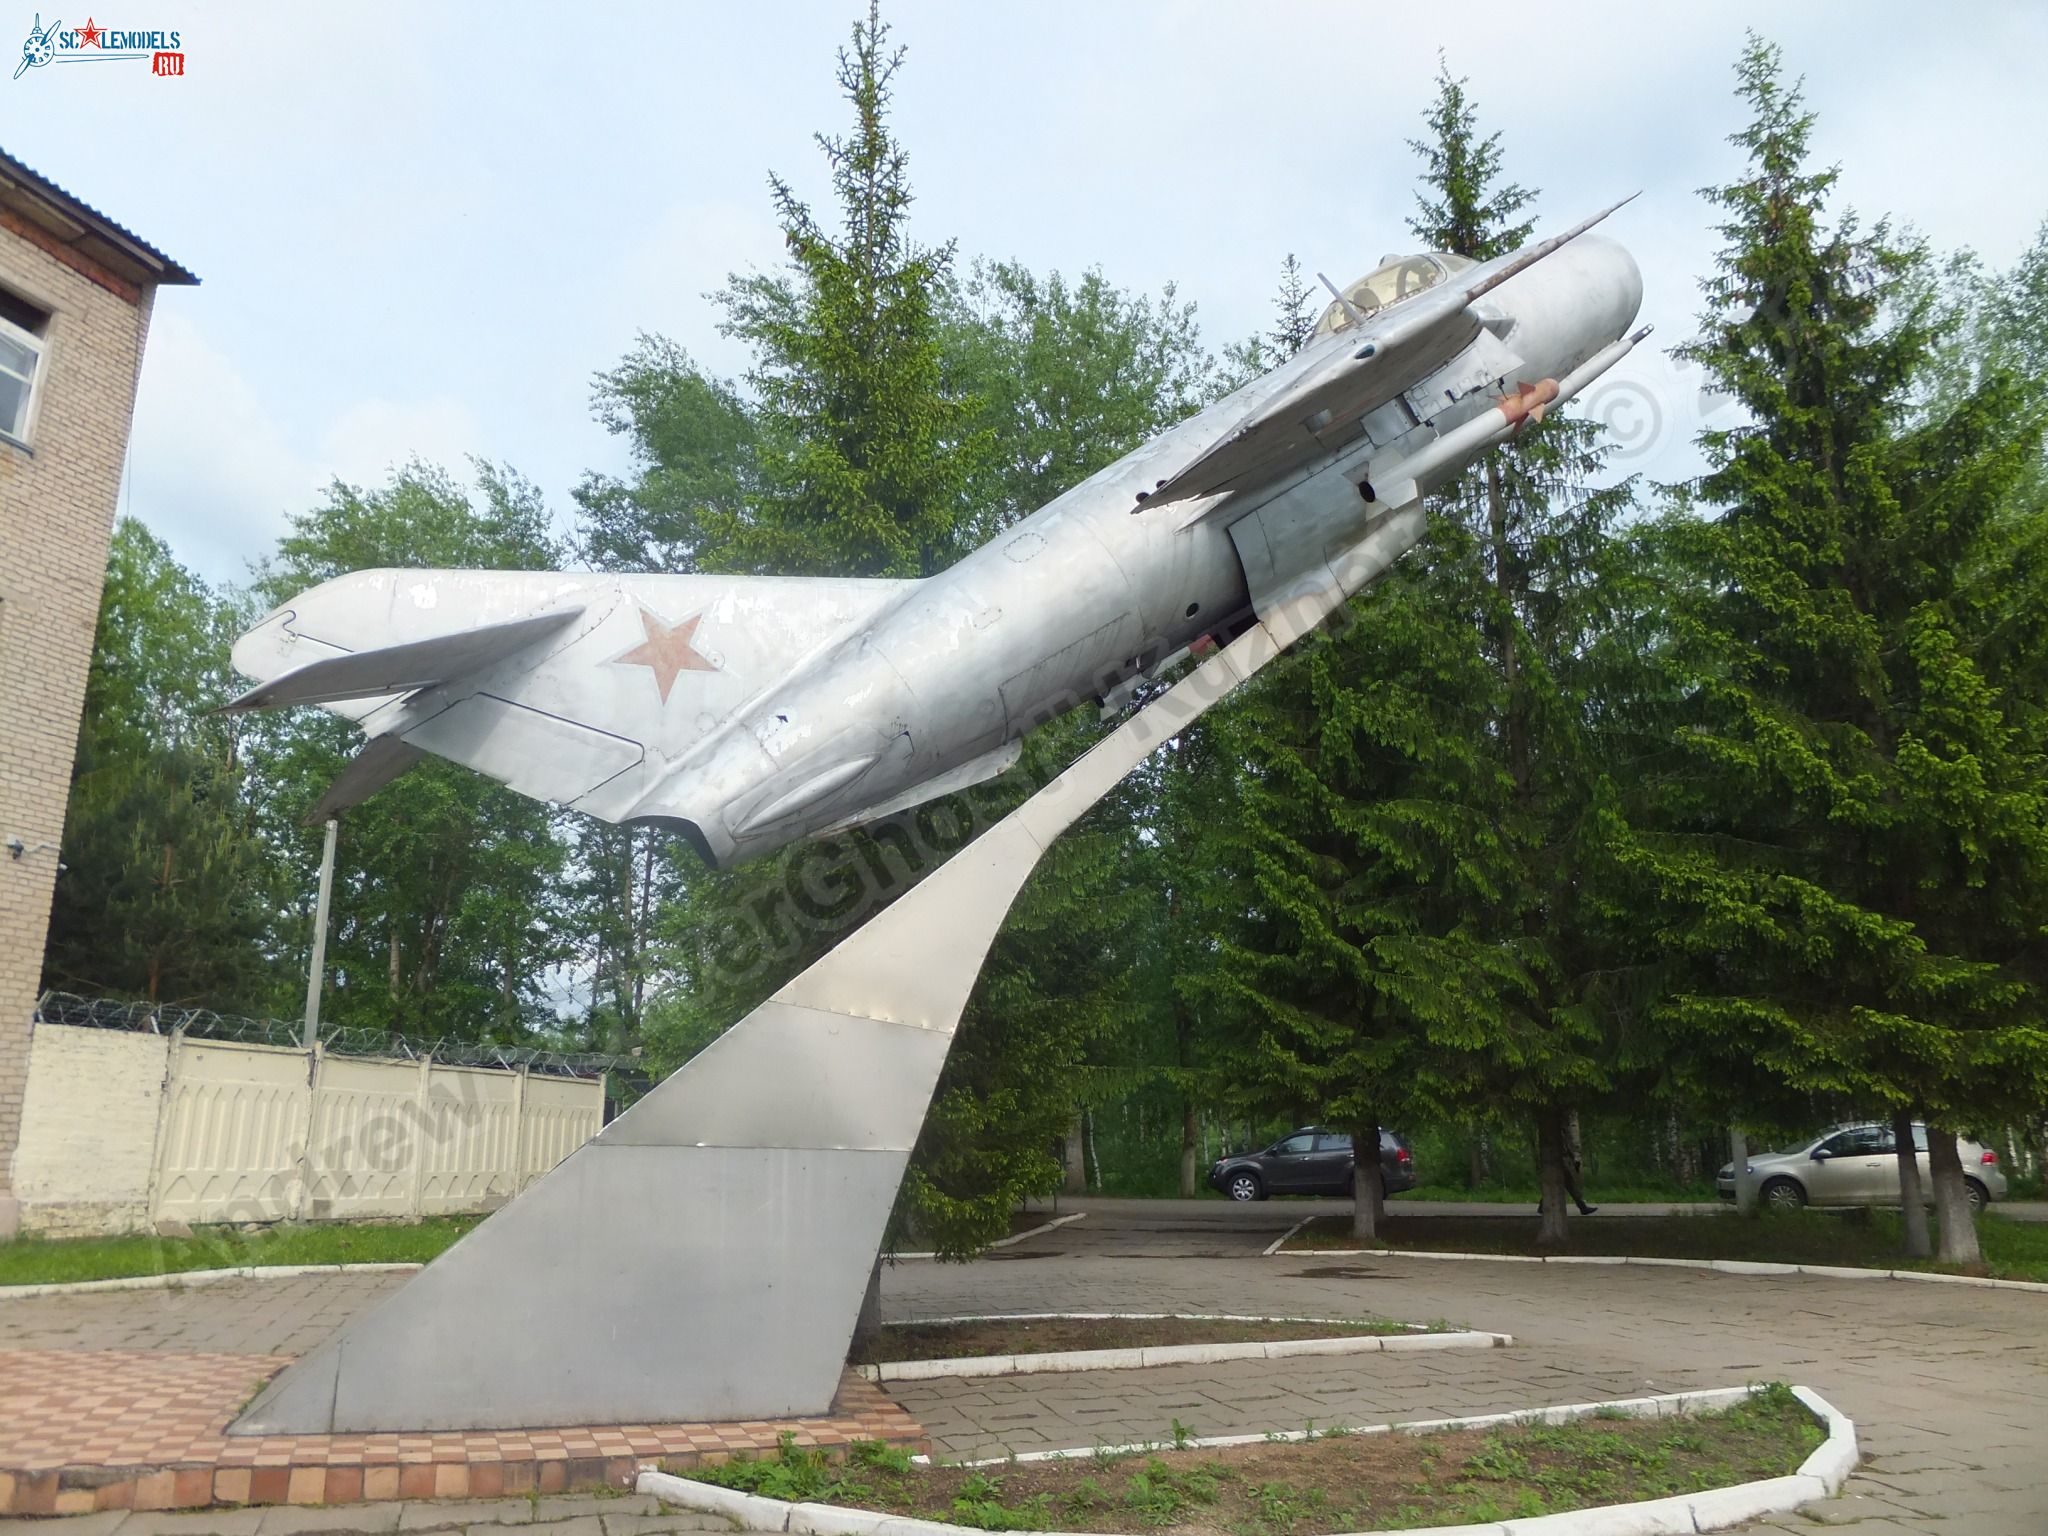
point(205, 1024)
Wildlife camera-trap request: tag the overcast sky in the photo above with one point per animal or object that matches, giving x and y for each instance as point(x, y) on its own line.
point(422, 228)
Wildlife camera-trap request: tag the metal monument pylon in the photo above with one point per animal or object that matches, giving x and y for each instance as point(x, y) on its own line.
point(704, 1256)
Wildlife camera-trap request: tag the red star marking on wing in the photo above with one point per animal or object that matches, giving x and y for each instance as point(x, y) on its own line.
point(89, 35)
point(667, 650)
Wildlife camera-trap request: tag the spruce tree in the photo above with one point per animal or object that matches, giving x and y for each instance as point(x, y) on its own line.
point(1423, 801)
point(1294, 312)
point(862, 452)
point(1537, 573)
point(1462, 205)
point(1861, 863)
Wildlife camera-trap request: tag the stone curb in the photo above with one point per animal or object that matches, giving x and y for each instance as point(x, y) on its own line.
point(1820, 1476)
point(1725, 1266)
point(197, 1277)
point(1053, 1361)
point(1014, 1237)
point(287, 1271)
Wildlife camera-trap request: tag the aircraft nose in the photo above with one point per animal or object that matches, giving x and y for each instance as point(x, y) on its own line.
point(1618, 280)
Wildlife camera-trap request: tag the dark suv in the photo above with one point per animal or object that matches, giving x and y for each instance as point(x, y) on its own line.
point(1309, 1162)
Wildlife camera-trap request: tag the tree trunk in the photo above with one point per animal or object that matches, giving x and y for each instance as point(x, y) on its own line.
point(1912, 1201)
point(1478, 1174)
point(1745, 1182)
point(1685, 1166)
point(1076, 1182)
point(869, 1323)
point(1368, 1183)
point(1090, 1161)
point(1551, 1231)
point(1952, 1201)
point(1184, 1052)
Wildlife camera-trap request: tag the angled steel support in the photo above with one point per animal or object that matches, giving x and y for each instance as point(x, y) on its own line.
point(704, 1257)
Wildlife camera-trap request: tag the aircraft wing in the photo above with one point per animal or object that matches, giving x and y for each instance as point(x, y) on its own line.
point(1354, 372)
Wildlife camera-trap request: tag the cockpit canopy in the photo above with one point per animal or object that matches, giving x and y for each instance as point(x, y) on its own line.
point(1395, 279)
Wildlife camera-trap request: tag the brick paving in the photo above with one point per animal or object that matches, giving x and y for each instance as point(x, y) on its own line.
point(1948, 1384)
point(242, 1317)
point(86, 1430)
point(557, 1515)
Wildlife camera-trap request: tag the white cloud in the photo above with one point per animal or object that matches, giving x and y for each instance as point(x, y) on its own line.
point(214, 471)
point(208, 466)
point(373, 437)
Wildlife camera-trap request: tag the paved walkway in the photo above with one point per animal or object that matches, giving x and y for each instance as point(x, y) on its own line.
point(562, 1515)
point(1948, 1384)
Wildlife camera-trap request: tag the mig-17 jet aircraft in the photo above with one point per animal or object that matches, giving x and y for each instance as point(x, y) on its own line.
point(748, 711)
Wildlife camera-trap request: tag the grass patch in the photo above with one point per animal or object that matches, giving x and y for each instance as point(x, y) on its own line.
point(1333, 1482)
point(2013, 1250)
point(40, 1261)
point(1038, 1336)
point(1529, 1194)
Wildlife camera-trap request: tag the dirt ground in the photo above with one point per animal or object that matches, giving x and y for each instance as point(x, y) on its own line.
point(1335, 1482)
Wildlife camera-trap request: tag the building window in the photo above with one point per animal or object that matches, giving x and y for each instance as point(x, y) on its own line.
point(23, 328)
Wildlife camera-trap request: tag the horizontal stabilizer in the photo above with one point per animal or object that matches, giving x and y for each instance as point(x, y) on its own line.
point(402, 668)
point(384, 759)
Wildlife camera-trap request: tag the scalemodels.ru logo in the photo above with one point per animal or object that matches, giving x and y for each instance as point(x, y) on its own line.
point(93, 43)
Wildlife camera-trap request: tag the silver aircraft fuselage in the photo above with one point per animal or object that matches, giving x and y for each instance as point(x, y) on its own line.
point(1089, 591)
point(747, 712)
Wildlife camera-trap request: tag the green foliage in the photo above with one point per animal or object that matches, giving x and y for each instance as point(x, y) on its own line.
point(980, 1504)
point(1856, 820)
point(894, 419)
point(167, 892)
point(694, 444)
point(2012, 1249)
point(1294, 312)
point(1737, 811)
point(1462, 206)
point(863, 453)
point(45, 1261)
point(445, 894)
point(1422, 794)
point(1064, 378)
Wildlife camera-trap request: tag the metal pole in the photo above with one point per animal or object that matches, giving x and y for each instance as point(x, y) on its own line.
point(318, 967)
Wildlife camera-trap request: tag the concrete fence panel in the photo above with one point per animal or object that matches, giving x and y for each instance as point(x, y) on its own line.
point(234, 1137)
point(365, 1139)
point(124, 1130)
point(88, 1130)
point(472, 1152)
point(560, 1115)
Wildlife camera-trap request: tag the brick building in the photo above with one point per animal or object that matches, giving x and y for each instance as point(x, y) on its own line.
point(75, 296)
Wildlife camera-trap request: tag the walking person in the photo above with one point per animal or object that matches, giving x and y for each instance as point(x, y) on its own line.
point(1574, 1184)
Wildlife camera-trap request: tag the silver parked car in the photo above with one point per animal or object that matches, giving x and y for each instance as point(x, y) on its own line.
point(1857, 1165)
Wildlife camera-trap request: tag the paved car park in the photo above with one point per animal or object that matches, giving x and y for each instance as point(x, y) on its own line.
point(1948, 1384)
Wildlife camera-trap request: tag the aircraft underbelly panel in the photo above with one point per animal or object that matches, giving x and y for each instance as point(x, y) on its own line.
point(1068, 675)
